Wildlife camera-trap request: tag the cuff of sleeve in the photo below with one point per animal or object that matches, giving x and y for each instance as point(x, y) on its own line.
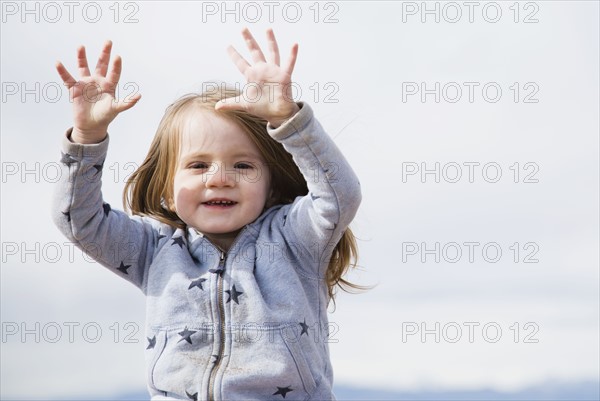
point(80, 150)
point(294, 124)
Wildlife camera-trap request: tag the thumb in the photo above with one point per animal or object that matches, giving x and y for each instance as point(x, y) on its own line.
point(230, 103)
point(126, 104)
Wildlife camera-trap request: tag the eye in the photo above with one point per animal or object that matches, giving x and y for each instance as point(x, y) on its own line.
point(198, 165)
point(243, 165)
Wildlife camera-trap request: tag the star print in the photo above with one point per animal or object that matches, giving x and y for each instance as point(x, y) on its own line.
point(68, 214)
point(314, 197)
point(67, 159)
point(151, 342)
point(178, 241)
point(197, 283)
point(123, 268)
point(185, 334)
point(106, 208)
point(283, 390)
point(98, 167)
point(192, 396)
point(233, 295)
point(304, 327)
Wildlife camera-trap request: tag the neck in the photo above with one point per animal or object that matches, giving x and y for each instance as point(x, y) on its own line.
point(223, 241)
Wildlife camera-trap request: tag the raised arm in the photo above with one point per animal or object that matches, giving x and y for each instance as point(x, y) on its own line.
point(122, 244)
point(321, 217)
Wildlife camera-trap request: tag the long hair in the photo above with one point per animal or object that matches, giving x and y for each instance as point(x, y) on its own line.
point(149, 190)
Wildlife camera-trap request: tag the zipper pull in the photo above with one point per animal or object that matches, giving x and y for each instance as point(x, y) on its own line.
point(221, 268)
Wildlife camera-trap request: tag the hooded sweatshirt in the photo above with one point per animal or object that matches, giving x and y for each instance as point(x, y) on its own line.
point(247, 324)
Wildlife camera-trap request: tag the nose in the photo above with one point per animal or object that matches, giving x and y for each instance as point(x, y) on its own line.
point(218, 176)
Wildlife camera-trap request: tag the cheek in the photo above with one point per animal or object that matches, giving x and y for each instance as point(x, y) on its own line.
point(259, 192)
point(264, 187)
point(182, 194)
point(266, 192)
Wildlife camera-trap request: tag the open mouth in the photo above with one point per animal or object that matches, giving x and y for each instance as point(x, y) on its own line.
point(220, 203)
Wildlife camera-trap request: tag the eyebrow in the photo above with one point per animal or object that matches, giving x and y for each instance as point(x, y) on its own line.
point(237, 155)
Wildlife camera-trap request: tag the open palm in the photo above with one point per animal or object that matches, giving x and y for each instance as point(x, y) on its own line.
point(268, 92)
point(93, 96)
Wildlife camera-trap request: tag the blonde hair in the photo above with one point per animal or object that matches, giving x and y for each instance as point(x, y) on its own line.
point(149, 190)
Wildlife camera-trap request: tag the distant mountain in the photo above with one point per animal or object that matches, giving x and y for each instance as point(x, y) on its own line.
point(551, 391)
point(583, 391)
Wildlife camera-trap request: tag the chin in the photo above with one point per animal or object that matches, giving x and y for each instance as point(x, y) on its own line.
point(219, 230)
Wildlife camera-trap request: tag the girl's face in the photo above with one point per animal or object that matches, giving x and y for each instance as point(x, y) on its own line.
point(221, 180)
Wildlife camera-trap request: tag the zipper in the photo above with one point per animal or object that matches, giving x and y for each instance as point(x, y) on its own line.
point(220, 270)
point(215, 368)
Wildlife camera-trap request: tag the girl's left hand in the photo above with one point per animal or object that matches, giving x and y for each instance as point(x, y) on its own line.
point(268, 92)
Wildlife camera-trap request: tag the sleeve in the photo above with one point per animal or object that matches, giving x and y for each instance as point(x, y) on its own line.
point(123, 244)
point(323, 215)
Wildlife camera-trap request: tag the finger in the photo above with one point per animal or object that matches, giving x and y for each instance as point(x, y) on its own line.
point(115, 71)
point(273, 48)
point(128, 103)
point(67, 78)
point(257, 54)
point(102, 65)
point(292, 60)
point(237, 59)
point(82, 63)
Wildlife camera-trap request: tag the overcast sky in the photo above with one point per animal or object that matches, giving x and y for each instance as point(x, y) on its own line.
point(499, 99)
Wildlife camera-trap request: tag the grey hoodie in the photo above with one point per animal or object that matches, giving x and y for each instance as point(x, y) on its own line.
point(249, 324)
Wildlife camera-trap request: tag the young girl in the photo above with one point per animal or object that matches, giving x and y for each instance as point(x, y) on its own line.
point(239, 231)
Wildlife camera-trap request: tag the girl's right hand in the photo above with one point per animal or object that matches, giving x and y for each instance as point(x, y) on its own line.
point(93, 96)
